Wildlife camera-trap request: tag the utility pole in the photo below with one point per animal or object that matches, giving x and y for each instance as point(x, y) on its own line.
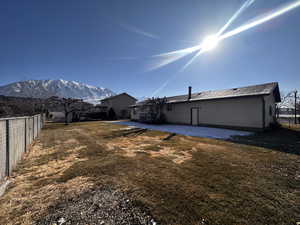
point(295, 107)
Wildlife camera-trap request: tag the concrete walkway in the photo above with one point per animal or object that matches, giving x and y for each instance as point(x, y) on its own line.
point(195, 131)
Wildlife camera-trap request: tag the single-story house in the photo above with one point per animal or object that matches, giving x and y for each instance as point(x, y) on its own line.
point(250, 108)
point(119, 104)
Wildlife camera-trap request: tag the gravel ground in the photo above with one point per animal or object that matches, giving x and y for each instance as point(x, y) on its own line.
point(102, 206)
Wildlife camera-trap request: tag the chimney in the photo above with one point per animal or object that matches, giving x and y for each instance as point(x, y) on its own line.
point(190, 93)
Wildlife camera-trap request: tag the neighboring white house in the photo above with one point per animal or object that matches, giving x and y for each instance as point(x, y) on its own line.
point(120, 104)
point(251, 107)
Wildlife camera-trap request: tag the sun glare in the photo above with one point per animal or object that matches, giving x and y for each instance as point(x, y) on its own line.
point(210, 42)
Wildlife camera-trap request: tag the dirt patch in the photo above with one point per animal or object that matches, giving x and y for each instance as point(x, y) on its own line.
point(184, 156)
point(73, 130)
point(98, 206)
point(71, 141)
point(216, 196)
point(151, 146)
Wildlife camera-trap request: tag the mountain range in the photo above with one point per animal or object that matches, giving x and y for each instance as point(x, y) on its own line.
point(60, 88)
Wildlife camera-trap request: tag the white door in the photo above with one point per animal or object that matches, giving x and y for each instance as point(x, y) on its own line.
point(194, 115)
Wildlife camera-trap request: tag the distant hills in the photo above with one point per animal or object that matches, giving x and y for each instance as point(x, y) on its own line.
point(60, 88)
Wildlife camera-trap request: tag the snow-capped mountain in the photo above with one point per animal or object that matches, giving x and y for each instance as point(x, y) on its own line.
point(60, 88)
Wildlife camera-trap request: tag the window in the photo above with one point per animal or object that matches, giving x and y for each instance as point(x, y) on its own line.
point(169, 107)
point(270, 111)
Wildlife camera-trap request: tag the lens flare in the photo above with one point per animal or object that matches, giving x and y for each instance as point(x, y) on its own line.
point(212, 41)
point(191, 60)
point(235, 15)
point(262, 19)
point(170, 57)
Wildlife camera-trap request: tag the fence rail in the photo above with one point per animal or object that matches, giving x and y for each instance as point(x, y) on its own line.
point(16, 135)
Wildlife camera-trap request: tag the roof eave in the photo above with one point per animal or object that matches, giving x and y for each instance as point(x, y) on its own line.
point(111, 97)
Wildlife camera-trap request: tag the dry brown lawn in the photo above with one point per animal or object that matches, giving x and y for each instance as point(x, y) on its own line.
point(182, 181)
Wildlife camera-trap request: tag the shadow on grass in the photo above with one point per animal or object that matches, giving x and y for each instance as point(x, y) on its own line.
point(124, 133)
point(281, 139)
point(54, 126)
point(169, 136)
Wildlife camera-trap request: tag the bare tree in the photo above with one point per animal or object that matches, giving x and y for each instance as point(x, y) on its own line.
point(69, 105)
point(156, 109)
point(19, 106)
point(290, 100)
point(286, 100)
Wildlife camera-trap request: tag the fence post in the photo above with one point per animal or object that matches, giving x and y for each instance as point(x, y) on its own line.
point(25, 135)
point(7, 149)
point(33, 128)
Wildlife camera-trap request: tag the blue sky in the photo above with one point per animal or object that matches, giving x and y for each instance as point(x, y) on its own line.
point(109, 43)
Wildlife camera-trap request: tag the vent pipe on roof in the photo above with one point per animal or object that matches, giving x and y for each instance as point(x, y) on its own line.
point(190, 93)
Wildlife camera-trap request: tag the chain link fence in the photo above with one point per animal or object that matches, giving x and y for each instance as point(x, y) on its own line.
point(16, 135)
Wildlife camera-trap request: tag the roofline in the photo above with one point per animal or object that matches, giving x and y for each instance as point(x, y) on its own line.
point(111, 97)
point(276, 83)
point(216, 98)
point(276, 86)
point(206, 99)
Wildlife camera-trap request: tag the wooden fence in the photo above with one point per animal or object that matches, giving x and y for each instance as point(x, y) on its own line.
point(16, 136)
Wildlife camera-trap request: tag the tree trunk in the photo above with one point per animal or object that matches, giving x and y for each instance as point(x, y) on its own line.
point(66, 118)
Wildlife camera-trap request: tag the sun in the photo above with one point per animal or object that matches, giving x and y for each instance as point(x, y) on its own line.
point(210, 42)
